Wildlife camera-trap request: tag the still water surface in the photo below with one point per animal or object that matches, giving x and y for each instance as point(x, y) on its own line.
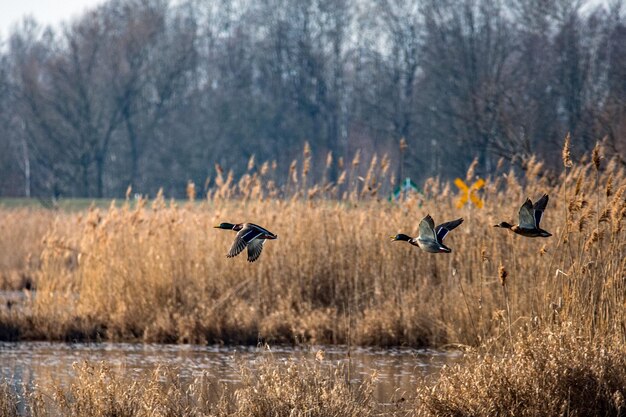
point(39, 363)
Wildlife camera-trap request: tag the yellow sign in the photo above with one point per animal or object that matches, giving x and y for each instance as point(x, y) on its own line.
point(469, 193)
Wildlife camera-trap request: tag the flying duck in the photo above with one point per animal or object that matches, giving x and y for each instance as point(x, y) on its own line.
point(248, 234)
point(529, 219)
point(430, 239)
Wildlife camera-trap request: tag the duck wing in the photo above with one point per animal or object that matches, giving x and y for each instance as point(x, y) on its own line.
point(254, 249)
point(266, 233)
point(427, 229)
point(539, 207)
point(526, 215)
point(444, 228)
point(247, 234)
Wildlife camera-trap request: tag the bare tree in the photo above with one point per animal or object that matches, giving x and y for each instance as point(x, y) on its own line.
point(70, 122)
point(154, 92)
point(152, 51)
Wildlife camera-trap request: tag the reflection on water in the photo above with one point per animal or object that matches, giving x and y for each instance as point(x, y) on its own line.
point(39, 363)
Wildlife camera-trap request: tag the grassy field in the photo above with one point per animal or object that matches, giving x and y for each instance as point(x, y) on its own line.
point(69, 204)
point(157, 272)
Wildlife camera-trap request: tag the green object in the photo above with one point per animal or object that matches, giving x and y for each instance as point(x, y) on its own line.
point(407, 186)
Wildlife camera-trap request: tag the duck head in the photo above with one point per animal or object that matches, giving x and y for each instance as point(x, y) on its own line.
point(400, 236)
point(228, 226)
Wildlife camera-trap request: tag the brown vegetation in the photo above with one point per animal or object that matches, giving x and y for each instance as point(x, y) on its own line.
point(297, 388)
point(21, 233)
point(8, 401)
point(546, 317)
point(157, 271)
point(542, 374)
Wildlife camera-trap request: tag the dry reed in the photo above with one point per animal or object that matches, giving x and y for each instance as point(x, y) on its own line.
point(543, 374)
point(303, 387)
point(157, 271)
point(21, 233)
point(548, 331)
point(8, 401)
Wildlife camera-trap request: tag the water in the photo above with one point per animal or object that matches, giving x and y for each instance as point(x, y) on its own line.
point(41, 363)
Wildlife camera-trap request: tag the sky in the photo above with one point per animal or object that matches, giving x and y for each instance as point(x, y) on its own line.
point(47, 12)
point(53, 12)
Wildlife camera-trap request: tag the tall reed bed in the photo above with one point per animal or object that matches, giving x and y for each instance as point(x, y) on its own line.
point(21, 233)
point(543, 320)
point(156, 270)
point(543, 373)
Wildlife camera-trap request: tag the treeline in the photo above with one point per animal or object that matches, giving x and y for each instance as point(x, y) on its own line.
point(153, 93)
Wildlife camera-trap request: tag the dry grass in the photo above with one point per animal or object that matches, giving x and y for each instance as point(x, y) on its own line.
point(8, 401)
point(297, 388)
point(546, 318)
point(302, 388)
point(544, 374)
point(157, 271)
point(21, 233)
point(99, 391)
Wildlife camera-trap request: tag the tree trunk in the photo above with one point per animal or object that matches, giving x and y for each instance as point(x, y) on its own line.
point(134, 150)
point(99, 176)
point(26, 157)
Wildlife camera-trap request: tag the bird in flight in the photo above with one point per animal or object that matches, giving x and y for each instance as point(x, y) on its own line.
point(529, 219)
point(249, 235)
point(430, 239)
